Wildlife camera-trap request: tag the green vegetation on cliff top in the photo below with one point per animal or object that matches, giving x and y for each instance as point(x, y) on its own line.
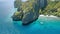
point(53, 7)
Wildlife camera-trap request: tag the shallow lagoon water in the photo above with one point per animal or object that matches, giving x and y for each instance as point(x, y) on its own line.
point(51, 25)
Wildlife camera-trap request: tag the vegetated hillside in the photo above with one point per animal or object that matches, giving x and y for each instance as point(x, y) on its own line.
point(53, 8)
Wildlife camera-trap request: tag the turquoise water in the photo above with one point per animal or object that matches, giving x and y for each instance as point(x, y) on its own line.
point(51, 25)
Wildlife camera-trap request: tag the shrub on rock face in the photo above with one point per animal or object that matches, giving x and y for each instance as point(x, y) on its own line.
point(17, 16)
point(58, 14)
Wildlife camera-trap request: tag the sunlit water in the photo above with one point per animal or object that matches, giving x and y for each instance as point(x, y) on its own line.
point(44, 25)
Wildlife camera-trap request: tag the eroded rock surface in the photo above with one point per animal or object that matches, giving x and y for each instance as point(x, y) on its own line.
point(30, 11)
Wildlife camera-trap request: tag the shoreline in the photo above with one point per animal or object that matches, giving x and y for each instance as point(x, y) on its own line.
point(47, 16)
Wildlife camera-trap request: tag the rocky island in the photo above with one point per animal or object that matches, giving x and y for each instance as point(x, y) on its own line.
point(28, 11)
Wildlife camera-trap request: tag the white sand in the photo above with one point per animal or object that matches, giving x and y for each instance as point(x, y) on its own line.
point(47, 16)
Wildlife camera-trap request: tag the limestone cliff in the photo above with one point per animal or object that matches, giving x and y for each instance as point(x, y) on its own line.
point(30, 11)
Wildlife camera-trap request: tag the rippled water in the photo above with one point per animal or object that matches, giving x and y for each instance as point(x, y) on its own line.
point(50, 25)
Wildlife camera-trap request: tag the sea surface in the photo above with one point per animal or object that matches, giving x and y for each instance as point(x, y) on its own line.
point(43, 25)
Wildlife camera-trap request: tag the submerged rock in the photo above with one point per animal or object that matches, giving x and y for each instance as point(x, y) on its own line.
point(41, 23)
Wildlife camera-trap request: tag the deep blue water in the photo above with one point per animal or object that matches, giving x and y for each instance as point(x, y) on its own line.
point(7, 26)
